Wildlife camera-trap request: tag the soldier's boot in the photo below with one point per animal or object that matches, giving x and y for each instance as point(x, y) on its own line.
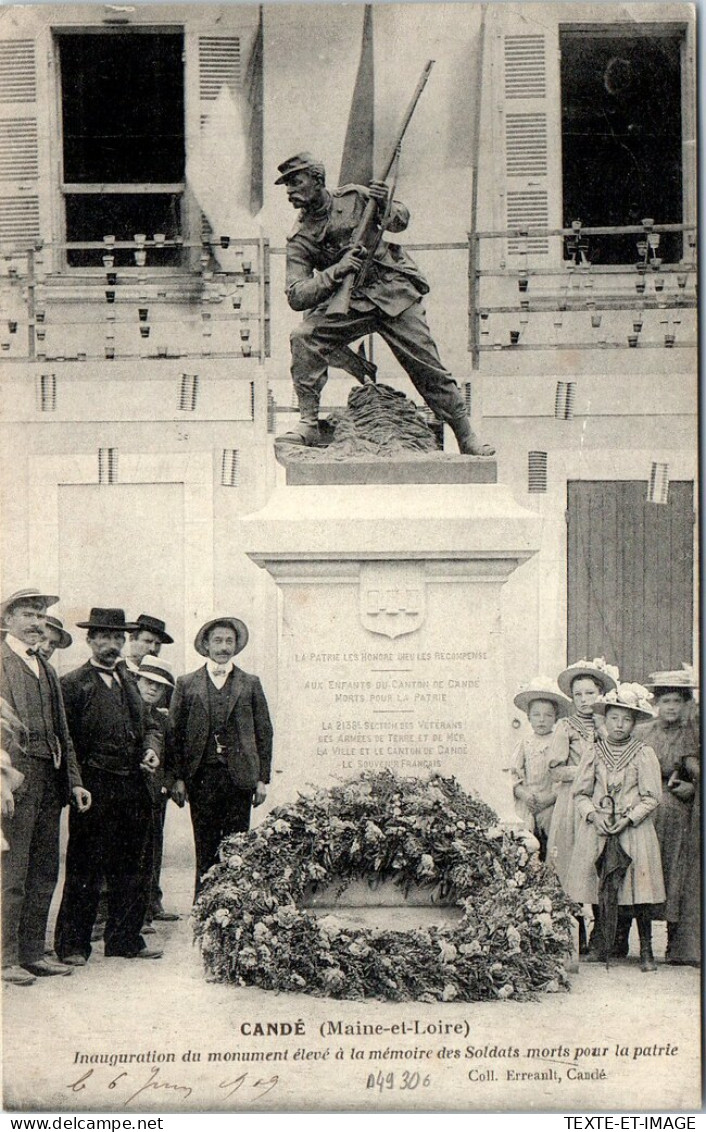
point(468, 443)
point(308, 431)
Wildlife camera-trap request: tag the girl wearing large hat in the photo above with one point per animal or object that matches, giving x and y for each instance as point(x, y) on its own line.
point(583, 682)
point(533, 788)
point(675, 740)
point(617, 790)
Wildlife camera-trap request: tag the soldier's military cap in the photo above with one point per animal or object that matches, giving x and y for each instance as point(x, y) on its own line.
point(297, 164)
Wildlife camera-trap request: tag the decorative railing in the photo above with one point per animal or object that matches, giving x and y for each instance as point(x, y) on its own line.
point(505, 299)
point(113, 310)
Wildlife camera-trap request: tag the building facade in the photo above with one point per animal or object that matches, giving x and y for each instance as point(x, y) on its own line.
point(551, 175)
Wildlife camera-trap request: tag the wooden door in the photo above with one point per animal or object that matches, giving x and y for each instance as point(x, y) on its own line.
point(630, 575)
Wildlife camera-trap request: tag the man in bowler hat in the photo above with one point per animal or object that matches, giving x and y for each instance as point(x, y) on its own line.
point(146, 639)
point(42, 751)
point(116, 749)
point(320, 254)
point(219, 740)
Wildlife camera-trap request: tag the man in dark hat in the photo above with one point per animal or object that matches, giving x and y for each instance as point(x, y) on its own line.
point(219, 740)
point(146, 639)
point(389, 300)
point(44, 754)
point(116, 750)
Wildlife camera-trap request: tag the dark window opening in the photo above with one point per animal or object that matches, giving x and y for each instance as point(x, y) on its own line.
point(116, 214)
point(122, 101)
point(622, 137)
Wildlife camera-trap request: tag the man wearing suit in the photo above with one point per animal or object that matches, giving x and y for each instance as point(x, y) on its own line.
point(146, 639)
point(44, 754)
point(219, 744)
point(116, 750)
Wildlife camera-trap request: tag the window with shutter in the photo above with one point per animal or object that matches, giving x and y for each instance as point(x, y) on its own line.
point(20, 206)
point(526, 84)
point(621, 100)
point(123, 145)
point(217, 62)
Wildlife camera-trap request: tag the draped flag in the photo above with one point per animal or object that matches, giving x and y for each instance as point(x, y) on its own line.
point(358, 148)
point(254, 89)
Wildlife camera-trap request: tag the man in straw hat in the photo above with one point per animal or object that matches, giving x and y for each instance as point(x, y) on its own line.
point(117, 749)
point(219, 740)
point(44, 754)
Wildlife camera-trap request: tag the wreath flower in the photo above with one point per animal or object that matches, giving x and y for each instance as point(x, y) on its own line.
point(254, 928)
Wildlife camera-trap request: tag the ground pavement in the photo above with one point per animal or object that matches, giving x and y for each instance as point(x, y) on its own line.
point(621, 1040)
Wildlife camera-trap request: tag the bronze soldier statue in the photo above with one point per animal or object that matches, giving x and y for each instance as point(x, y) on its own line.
point(387, 301)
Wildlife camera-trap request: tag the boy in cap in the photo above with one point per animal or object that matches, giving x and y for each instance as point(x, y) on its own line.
point(55, 637)
point(155, 683)
point(388, 301)
point(219, 740)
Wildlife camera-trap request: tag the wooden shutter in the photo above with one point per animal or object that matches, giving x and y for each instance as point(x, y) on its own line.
point(526, 117)
point(630, 575)
point(220, 65)
point(20, 207)
point(213, 59)
point(526, 169)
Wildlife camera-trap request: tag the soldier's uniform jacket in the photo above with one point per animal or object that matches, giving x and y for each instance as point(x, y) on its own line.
point(393, 281)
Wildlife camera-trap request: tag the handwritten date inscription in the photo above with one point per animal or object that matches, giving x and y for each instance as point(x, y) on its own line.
point(250, 1086)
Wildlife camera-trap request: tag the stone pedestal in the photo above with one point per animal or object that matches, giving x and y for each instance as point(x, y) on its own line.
point(390, 641)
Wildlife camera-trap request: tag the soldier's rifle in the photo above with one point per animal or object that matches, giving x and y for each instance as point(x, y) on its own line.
point(370, 230)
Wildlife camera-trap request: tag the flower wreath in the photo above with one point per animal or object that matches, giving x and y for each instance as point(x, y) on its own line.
point(511, 942)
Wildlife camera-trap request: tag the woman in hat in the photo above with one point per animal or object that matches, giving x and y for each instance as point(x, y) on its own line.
point(533, 788)
point(685, 943)
point(675, 741)
point(584, 682)
point(617, 790)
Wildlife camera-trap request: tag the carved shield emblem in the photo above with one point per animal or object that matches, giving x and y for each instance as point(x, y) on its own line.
point(393, 599)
